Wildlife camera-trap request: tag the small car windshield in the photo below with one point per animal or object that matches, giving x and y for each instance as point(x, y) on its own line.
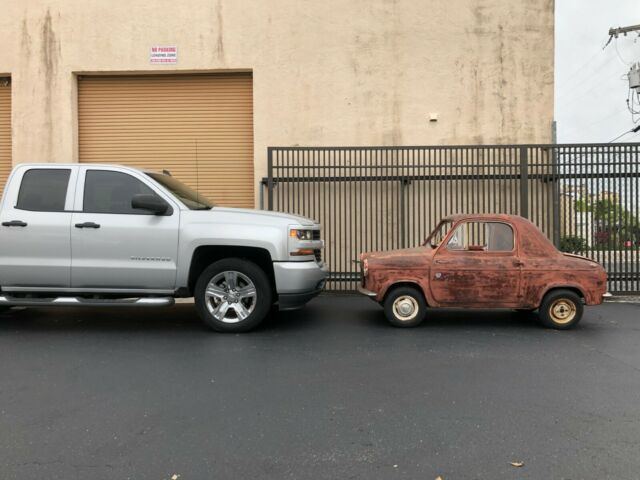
point(192, 199)
point(438, 234)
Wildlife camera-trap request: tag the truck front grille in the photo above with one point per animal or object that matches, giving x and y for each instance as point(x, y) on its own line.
point(317, 252)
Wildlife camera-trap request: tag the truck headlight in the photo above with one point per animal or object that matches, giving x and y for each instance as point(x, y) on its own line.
point(301, 234)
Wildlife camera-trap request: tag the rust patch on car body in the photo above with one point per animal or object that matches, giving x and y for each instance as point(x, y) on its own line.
point(479, 277)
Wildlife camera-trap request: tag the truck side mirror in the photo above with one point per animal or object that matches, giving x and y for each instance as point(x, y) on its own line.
point(152, 203)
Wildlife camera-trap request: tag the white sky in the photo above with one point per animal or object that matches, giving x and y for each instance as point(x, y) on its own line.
point(590, 93)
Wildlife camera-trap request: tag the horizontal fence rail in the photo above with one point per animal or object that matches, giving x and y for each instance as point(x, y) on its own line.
point(583, 197)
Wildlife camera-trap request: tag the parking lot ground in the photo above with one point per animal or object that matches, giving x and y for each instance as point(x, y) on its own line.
point(328, 392)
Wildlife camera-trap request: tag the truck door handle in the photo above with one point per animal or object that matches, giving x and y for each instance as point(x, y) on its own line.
point(87, 225)
point(518, 263)
point(14, 223)
point(442, 262)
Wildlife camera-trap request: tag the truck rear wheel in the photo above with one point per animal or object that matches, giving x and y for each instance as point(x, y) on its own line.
point(233, 295)
point(560, 309)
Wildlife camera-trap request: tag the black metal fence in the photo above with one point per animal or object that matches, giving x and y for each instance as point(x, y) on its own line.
point(584, 197)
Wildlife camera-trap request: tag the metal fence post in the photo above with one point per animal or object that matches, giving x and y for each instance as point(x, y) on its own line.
point(404, 182)
point(524, 182)
point(270, 178)
point(556, 197)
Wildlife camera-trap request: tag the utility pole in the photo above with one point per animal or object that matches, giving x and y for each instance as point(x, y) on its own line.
point(633, 76)
point(616, 32)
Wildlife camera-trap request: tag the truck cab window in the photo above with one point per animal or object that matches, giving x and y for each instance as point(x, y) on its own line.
point(112, 192)
point(43, 190)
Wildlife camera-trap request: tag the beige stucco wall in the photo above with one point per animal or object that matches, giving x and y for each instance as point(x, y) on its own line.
point(331, 72)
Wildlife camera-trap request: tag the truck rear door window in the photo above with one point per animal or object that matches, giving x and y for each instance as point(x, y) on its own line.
point(43, 190)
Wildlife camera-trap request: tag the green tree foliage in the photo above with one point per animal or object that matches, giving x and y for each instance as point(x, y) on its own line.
point(573, 244)
point(613, 223)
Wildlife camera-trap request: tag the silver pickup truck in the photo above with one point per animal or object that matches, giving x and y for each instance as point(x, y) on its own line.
point(106, 235)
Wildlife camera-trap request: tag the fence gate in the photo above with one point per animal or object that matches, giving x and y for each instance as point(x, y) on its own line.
point(583, 197)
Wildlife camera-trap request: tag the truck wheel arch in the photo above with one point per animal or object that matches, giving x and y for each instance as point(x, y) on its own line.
point(205, 255)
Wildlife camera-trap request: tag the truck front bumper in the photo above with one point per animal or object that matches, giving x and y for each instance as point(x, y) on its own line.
point(298, 282)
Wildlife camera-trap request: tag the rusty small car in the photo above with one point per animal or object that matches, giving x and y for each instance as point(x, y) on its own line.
point(483, 261)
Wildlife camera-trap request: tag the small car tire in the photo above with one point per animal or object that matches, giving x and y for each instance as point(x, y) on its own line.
point(405, 307)
point(561, 309)
point(233, 295)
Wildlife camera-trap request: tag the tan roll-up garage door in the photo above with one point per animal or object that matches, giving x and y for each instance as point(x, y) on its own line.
point(5, 131)
point(168, 122)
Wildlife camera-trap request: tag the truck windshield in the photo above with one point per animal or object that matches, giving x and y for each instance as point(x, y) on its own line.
point(192, 199)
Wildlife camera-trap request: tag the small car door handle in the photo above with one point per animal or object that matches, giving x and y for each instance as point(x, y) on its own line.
point(14, 223)
point(87, 225)
point(518, 263)
point(442, 262)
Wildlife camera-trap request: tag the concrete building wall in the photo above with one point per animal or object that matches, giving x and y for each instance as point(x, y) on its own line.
point(331, 72)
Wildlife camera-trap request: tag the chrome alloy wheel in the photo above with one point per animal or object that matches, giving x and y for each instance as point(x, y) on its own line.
point(405, 308)
point(230, 297)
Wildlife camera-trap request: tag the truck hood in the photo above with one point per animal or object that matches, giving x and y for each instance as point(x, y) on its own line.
point(262, 216)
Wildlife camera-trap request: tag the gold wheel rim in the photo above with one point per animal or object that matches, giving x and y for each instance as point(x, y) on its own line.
point(562, 311)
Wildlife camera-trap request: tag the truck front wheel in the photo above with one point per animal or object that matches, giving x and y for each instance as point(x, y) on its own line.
point(232, 295)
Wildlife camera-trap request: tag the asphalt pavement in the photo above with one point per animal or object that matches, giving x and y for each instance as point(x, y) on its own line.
point(328, 392)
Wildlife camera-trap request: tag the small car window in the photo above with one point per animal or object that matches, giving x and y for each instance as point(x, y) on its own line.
point(439, 234)
point(482, 236)
point(112, 192)
point(43, 190)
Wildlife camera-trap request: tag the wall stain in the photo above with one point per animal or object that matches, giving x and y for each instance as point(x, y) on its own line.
point(502, 83)
point(25, 39)
point(220, 34)
point(49, 56)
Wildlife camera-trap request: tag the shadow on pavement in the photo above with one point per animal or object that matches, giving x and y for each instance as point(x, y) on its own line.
point(339, 311)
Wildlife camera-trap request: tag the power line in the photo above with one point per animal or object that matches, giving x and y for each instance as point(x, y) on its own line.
point(633, 130)
point(599, 68)
point(615, 44)
point(571, 76)
point(596, 122)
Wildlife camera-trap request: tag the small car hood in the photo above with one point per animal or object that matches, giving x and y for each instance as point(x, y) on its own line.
point(580, 257)
point(403, 257)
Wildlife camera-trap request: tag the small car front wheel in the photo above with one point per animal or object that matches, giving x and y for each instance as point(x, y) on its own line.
point(405, 307)
point(232, 295)
point(561, 309)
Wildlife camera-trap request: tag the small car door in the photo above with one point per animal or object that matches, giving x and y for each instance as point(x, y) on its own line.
point(116, 246)
point(35, 248)
point(478, 265)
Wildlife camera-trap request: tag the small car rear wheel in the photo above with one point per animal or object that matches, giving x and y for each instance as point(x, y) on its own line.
point(561, 309)
point(232, 295)
point(405, 307)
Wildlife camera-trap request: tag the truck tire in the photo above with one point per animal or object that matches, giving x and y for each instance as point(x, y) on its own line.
point(405, 307)
point(560, 309)
point(233, 295)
